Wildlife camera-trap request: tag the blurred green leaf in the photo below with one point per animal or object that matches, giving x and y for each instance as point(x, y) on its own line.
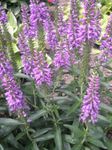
point(58, 139)
point(10, 122)
point(106, 107)
point(41, 132)
point(13, 1)
point(1, 147)
point(37, 115)
point(97, 143)
point(45, 137)
point(22, 75)
point(12, 20)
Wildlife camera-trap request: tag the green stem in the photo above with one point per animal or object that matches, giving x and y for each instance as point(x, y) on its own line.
point(85, 135)
point(85, 63)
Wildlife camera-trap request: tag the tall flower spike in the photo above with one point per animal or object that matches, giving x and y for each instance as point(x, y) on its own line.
point(33, 20)
point(73, 25)
point(61, 24)
point(91, 101)
point(41, 72)
point(48, 25)
point(14, 96)
point(25, 19)
point(89, 34)
point(63, 58)
point(106, 44)
point(25, 54)
point(90, 29)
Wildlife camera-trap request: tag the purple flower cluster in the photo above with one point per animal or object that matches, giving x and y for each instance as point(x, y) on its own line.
point(90, 28)
point(13, 93)
point(63, 57)
point(38, 18)
point(106, 44)
point(91, 101)
point(3, 16)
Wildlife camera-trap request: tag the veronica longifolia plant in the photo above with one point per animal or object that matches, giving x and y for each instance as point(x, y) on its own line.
point(14, 95)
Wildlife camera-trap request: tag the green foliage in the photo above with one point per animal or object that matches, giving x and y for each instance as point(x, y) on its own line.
point(53, 122)
point(106, 6)
point(13, 5)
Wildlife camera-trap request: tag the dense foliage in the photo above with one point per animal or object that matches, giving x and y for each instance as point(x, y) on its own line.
point(56, 76)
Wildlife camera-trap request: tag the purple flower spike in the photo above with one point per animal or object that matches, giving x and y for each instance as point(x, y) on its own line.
point(41, 72)
point(49, 29)
point(25, 19)
point(14, 96)
point(25, 54)
point(73, 26)
point(62, 56)
point(106, 44)
point(33, 19)
point(90, 26)
point(61, 24)
point(91, 101)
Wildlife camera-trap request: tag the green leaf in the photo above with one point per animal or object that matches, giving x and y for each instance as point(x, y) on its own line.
point(6, 130)
point(77, 147)
point(69, 139)
point(37, 115)
point(87, 148)
point(75, 130)
point(22, 75)
point(15, 48)
point(35, 147)
point(10, 122)
point(67, 146)
point(45, 137)
point(106, 107)
point(109, 144)
point(96, 132)
point(12, 141)
point(12, 20)
point(73, 108)
point(41, 132)
point(97, 143)
point(103, 118)
point(48, 59)
point(20, 135)
point(13, 1)
point(58, 139)
point(1, 147)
